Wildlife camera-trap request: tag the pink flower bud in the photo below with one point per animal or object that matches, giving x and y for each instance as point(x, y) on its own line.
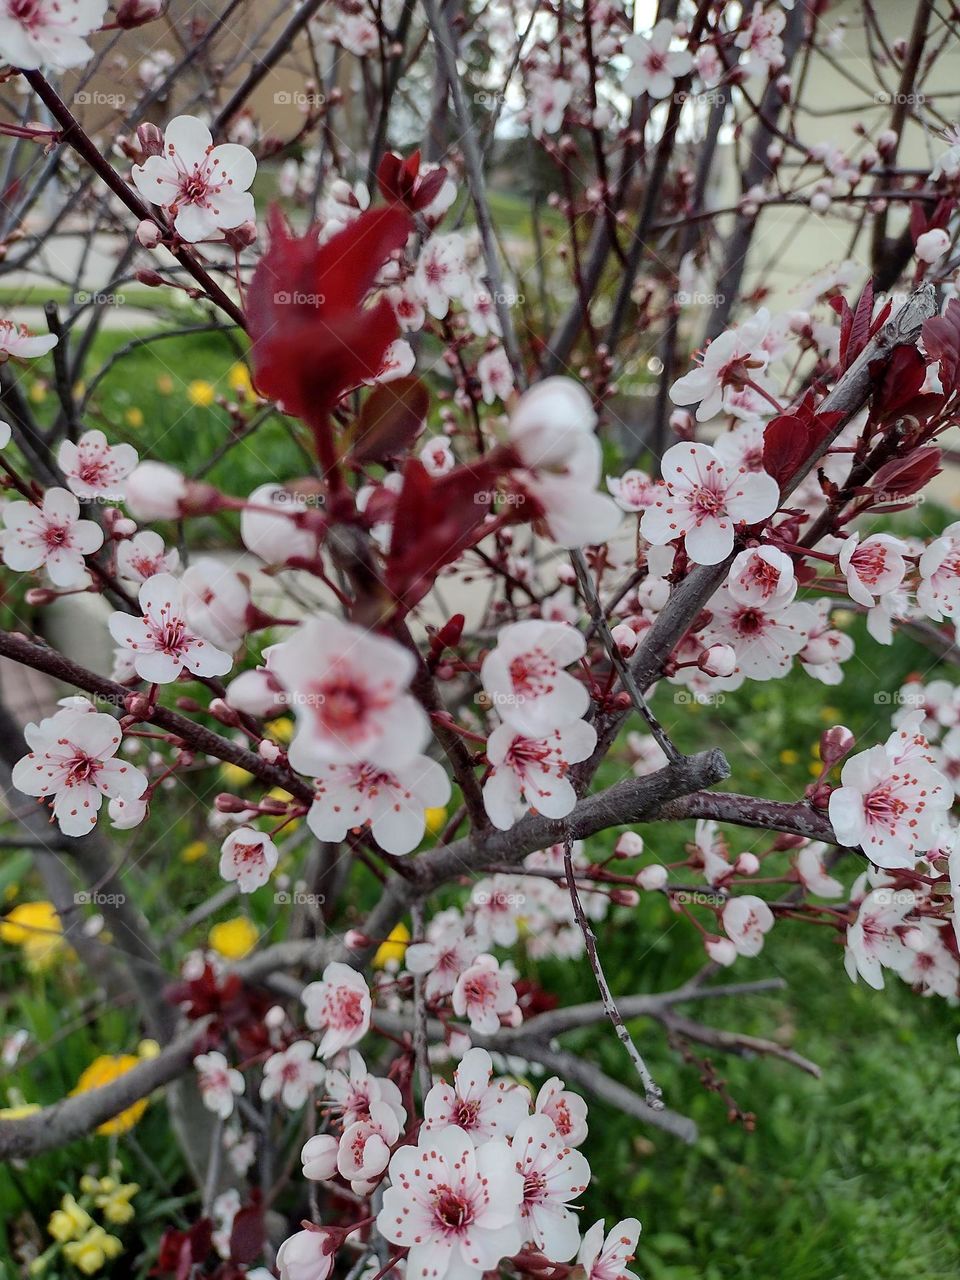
point(319, 1157)
point(155, 491)
point(150, 139)
point(226, 715)
point(40, 596)
point(269, 751)
point(718, 660)
point(835, 743)
point(629, 845)
point(747, 864)
point(148, 234)
point(226, 803)
point(354, 940)
point(653, 877)
point(932, 245)
point(721, 951)
point(241, 237)
point(133, 13)
point(625, 638)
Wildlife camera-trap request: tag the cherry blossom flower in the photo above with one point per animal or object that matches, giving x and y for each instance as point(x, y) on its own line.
point(938, 594)
point(873, 567)
point(482, 1107)
point(441, 272)
point(200, 187)
point(524, 676)
point(547, 100)
point(437, 456)
point(764, 637)
point(350, 1093)
point(654, 67)
point(552, 1176)
point(276, 538)
point(633, 491)
point(812, 870)
point(161, 643)
point(495, 374)
point(349, 690)
point(566, 1110)
point(52, 536)
point(484, 994)
point(407, 306)
point(762, 575)
point(292, 1074)
point(248, 857)
point(71, 758)
point(552, 431)
point(892, 802)
point(531, 773)
point(217, 603)
point(701, 502)
point(219, 1083)
point(144, 555)
point(454, 1206)
point(825, 647)
point(95, 469)
point(349, 796)
point(447, 952)
point(763, 48)
point(873, 940)
point(746, 919)
point(48, 33)
point(399, 359)
point(735, 354)
point(925, 962)
point(364, 1150)
point(307, 1255)
point(339, 1005)
point(606, 1258)
point(126, 814)
point(319, 1157)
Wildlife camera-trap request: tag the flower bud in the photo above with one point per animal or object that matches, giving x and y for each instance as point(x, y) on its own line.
point(625, 638)
point(241, 237)
point(269, 751)
point(319, 1157)
point(721, 951)
point(354, 940)
point(629, 845)
point(718, 660)
point(148, 234)
point(155, 491)
point(653, 877)
point(226, 803)
point(150, 139)
point(747, 864)
point(835, 743)
point(133, 13)
point(932, 245)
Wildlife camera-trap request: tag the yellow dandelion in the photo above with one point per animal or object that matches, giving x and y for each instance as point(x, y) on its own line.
point(34, 927)
point(201, 393)
point(193, 851)
point(281, 729)
point(238, 379)
point(233, 939)
point(434, 819)
point(233, 775)
point(104, 1070)
point(789, 756)
point(133, 417)
point(391, 952)
point(814, 770)
point(829, 715)
point(38, 392)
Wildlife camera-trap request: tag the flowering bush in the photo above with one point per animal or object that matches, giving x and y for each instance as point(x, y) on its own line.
point(417, 675)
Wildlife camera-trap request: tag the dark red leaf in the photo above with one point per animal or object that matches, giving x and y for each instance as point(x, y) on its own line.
point(904, 476)
point(390, 419)
point(247, 1235)
point(941, 341)
point(790, 438)
point(902, 379)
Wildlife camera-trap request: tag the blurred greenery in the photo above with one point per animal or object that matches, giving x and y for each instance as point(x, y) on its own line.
point(842, 1178)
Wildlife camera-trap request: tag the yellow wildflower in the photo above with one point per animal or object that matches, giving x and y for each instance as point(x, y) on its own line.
point(238, 379)
point(133, 417)
point(114, 1199)
point(234, 938)
point(164, 384)
point(36, 928)
point(104, 1070)
point(96, 1248)
point(434, 819)
point(70, 1221)
point(390, 953)
point(789, 756)
point(233, 775)
point(193, 851)
point(38, 392)
point(201, 393)
point(281, 729)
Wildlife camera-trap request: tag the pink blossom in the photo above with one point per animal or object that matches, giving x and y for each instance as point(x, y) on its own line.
point(292, 1074)
point(495, 374)
point(308, 1255)
point(567, 1111)
point(482, 1107)
point(155, 491)
point(547, 100)
point(825, 647)
point(161, 643)
point(200, 187)
point(349, 796)
point(873, 567)
point(441, 272)
point(364, 1150)
point(735, 354)
point(654, 67)
point(217, 603)
point(51, 535)
point(350, 1093)
point(702, 503)
point(319, 1157)
point(437, 456)
point(746, 919)
point(349, 690)
point(95, 469)
point(525, 679)
point(484, 994)
point(762, 575)
point(455, 1207)
point(873, 940)
point(276, 538)
point(553, 1175)
point(531, 773)
point(49, 33)
point(606, 1258)
point(764, 637)
point(144, 555)
point(447, 952)
point(71, 758)
point(812, 870)
point(219, 1083)
point(763, 48)
point(938, 594)
point(633, 491)
point(339, 1005)
point(248, 857)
